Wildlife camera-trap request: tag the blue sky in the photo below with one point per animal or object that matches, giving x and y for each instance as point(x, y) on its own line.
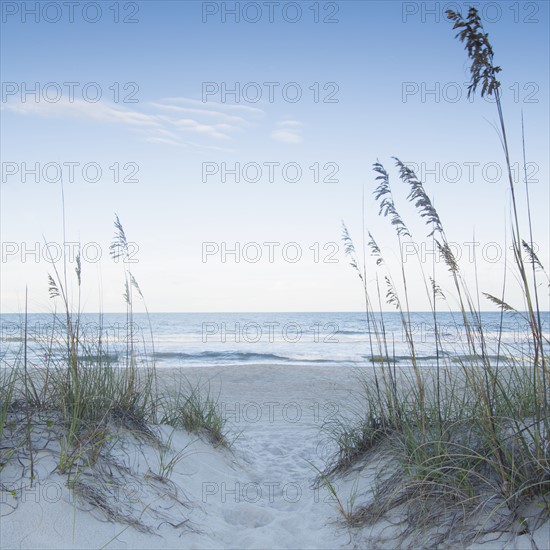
point(363, 62)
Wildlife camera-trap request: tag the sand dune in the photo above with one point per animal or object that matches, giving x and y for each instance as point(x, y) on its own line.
point(259, 494)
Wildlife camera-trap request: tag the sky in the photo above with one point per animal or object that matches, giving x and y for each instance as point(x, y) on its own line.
point(232, 139)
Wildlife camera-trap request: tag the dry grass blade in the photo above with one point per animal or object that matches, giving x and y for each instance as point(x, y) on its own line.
point(479, 50)
point(420, 198)
point(375, 250)
point(349, 250)
point(52, 287)
point(448, 256)
point(498, 302)
point(119, 247)
point(384, 195)
point(532, 255)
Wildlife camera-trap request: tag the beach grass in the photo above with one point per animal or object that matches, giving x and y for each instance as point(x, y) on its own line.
point(467, 442)
point(465, 445)
point(195, 408)
point(83, 404)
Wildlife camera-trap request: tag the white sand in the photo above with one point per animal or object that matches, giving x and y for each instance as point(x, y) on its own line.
point(260, 495)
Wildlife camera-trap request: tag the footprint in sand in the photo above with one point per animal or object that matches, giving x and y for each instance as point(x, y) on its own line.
point(249, 517)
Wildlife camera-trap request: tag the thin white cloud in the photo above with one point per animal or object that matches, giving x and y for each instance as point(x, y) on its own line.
point(175, 121)
point(166, 141)
point(289, 123)
point(216, 105)
point(164, 125)
point(201, 112)
point(84, 109)
point(286, 137)
point(288, 131)
point(167, 133)
point(218, 131)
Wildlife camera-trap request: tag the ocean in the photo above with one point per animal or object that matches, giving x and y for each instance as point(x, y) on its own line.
point(296, 339)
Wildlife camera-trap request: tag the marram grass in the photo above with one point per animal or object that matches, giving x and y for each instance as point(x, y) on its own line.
point(84, 404)
point(465, 444)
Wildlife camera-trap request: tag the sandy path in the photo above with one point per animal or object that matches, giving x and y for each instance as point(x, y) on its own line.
point(259, 495)
point(278, 412)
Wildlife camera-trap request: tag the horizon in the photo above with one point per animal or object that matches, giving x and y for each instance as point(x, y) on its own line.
point(428, 312)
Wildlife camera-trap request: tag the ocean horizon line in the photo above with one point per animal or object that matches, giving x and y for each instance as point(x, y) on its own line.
point(263, 312)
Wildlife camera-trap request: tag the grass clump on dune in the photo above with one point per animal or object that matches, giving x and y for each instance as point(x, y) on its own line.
point(466, 444)
point(196, 409)
point(82, 405)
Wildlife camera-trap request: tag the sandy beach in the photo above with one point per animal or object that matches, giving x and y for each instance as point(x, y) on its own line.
point(260, 493)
